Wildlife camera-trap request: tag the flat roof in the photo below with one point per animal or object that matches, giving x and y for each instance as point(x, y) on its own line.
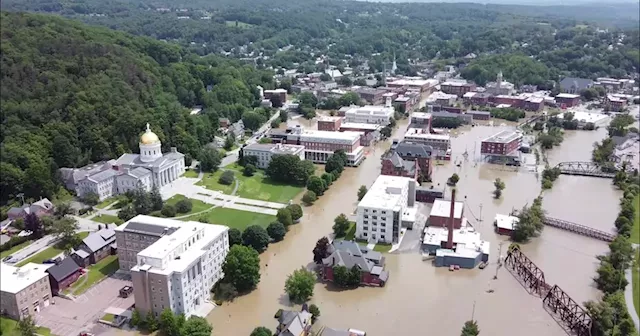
point(366, 126)
point(421, 133)
point(506, 221)
point(385, 192)
point(15, 279)
point(442, 208)
point(567, 95)
point(371, 110)
point(466, 238)
point(411, 82)
point(503, 137)
point(346, 135)
point(586, 116)
point(420, 115)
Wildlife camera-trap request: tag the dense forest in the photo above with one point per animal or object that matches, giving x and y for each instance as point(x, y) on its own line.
point(73, 94)
point(561, 41)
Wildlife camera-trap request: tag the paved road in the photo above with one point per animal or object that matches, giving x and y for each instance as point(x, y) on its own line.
point(33, 248)
point(628, 294)
point(232, 156)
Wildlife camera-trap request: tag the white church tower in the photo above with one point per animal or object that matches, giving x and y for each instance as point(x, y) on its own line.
point(150, 146)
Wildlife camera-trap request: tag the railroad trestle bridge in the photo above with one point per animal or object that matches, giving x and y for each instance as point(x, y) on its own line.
point(583, 169)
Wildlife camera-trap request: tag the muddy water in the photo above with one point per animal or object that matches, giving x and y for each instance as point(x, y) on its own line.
point(420, 299)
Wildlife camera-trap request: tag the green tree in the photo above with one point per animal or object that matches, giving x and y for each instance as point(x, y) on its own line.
point(283, 116)
point(328, 178)
point(530, 222)
point(316, 184)
point(235, 237)
point(27, 327)
point(261, 331)
point(299, 285)
point(499, 185)
point(156, 199)
point(65, 229)
point(610, 316)
point(184, 206)
point(341, 276)
point(470, 329)
point(196, 326)
point(289, 169)
point(453, 180)
point(91, 198)
point(315, 312)
point(276, 231)
point(226, 177)
point(361, 192)
point(307, 99)
point(242, 268)
point(296, 212)
point(142, 202)
point(150, 322)
point(386, 132)
point(225, 291)
point(249, 170)
point(33, 223)
point(210, 159)
point(135, 318)
point(168, 324)
point(229, 142)
point(252, 120)
point(309, 197)
point(321, 250)
point(349, 98)
point(127, 213)
point(168, 210)
point(341, 225)
point(284, 216)
point(256, 236)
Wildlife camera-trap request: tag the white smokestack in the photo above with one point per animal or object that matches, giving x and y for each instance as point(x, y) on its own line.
point(387, 102)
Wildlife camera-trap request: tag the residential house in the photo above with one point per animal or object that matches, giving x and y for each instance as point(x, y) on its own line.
point(420, 153)
point(43, 207)
point(293, 323)
point(95, 247)
point(349, 254)
point(64, 274)
point(394, 165)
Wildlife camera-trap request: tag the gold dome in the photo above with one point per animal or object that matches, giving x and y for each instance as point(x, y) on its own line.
point(149, 137)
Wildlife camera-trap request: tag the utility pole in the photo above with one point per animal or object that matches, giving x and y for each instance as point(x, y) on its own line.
point(480, 219)
point(473, 311)
point(495, 277)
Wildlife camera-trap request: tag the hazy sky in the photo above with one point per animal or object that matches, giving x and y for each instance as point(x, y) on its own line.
point(520, 2)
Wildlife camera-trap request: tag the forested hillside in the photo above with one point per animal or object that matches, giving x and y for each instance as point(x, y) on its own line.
point(73, 94)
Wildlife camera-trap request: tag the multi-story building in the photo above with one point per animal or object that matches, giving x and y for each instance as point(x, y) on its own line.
point(371, 95)
point(385, 208)
point(437, 141)
point(394, 165)
point(421, 153)
point(476, 98)
point(567, 99)
point(442, 99)
point(370, 114)
point(264, 152)
point(457, 87)
point(424, 86)
point(370, 132)
point(178, 270)
point(616, 104)
point(281, 93)
point(441, 214)
point(320, 145)
point(479, 115)
point(420, 120)
point(326, 123)
point(500, 87)
point(502, 143)
point(24, 290)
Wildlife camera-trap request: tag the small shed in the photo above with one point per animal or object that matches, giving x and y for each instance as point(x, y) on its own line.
point(505, 224)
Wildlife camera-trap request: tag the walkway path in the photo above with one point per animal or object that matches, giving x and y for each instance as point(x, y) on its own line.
point(628, 294)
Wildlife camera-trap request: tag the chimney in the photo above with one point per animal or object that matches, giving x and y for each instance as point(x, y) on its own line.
point(387, 102)
point(174, 150)
point(451, 219)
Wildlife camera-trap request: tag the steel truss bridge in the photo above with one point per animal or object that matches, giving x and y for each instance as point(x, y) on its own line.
point(583, 169)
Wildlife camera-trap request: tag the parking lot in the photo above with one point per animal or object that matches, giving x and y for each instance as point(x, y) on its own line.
point(68, 318)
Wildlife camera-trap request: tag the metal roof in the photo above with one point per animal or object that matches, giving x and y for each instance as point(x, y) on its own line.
point(100, 239)
point(63, 270)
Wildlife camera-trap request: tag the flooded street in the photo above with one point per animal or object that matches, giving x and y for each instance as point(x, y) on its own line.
point(420, 299)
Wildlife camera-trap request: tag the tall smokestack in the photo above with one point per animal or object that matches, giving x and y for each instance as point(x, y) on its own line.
point(451, 219)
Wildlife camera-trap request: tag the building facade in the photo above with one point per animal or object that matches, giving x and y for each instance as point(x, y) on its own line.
point(329, 123)
point(179, 269)
point(420, 120)
point(350, 254)
point(151, 168)
point(441, 214)
point(503, 143)
point(370, 132)
point(567, 99)
point(437, 141)
point(394, 165)
point(265, 152)
point(457, 87)
point(24, 290)
point(370, 114)
point(379, 215)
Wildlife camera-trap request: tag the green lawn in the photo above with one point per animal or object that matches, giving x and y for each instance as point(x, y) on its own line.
point(108, 317)
point(635, 232)
point(351, 233)
point(192, 173)
point(234, 218)
point(14, 249)
point(97, 272)
point(10, 328)
point(107, 219)
point(383, 248)
point(197, 205)
point(50, 252)
point(635, 275)
point(257, 186)
point(107, 202)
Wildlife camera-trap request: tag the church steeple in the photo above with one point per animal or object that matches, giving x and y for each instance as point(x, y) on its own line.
point(499, 79)
point(394, 67)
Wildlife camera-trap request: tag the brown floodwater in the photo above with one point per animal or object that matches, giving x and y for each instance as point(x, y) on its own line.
point(420, 299)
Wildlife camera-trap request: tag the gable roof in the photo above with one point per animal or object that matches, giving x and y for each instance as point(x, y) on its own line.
point(294, 322)
point(410, 149)
point(100, 239)
point(63, 270)
point(349, 253)
point(578, 84)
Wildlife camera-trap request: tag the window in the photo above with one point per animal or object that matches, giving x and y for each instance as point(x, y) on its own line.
point(365, 222)
point(364, 234)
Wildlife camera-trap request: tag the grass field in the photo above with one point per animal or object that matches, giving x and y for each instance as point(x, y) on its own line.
point(197, 205)
point(234, 218)
point(257, 187)
point(107, 219)
point(108, 317)
point(10, 328)
point(192, 173)
point(14, 249)
point(108, 201)
point(97, 272)
point(50, 252)
point(635, 232)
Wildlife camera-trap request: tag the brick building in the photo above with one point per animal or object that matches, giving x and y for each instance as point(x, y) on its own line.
point(568, 99)
point(503, 143)
point(441, 212)
point(457, 87)
point(329, 123)
point(350, 254)
point(394, 165)
point(419, 152)
point(281, 93)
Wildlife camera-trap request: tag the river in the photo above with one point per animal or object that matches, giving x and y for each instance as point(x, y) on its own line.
point(420, 299)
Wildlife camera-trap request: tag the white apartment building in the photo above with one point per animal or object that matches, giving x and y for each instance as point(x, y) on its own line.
point(320, 145)
point(370, 114)
point(437, 141)
point(25, 290)
point(178, 270)
point(389, 202)
point(264, 152)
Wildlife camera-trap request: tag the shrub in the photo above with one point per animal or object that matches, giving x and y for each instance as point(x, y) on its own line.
point(168, 210)
point(226, 178)
point(309, 197)
point(276, 231)
point(249, 170)
point(184, 206)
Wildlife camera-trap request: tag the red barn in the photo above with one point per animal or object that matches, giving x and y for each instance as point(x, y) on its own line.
point(505, 224)
point(64, 274)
